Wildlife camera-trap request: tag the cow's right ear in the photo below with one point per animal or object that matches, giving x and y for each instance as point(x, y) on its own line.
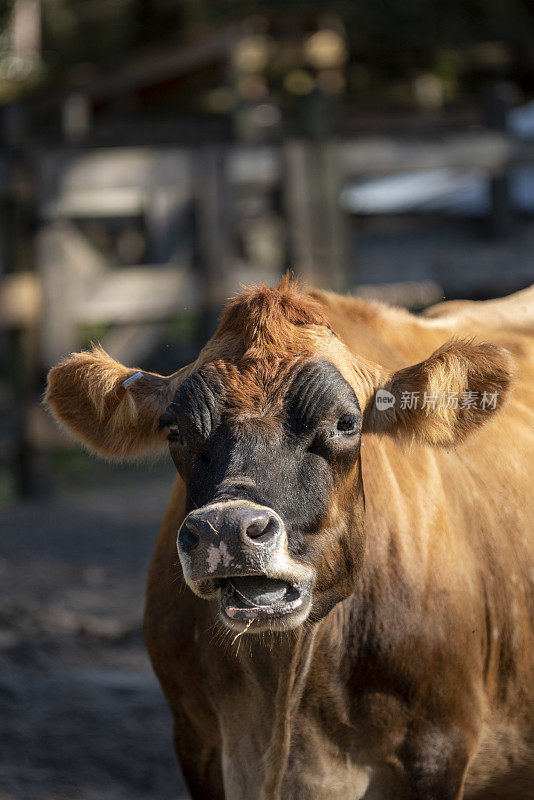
point(112, 409)
point(445, 398)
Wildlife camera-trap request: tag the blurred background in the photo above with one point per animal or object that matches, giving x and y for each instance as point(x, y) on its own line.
point(154, 155)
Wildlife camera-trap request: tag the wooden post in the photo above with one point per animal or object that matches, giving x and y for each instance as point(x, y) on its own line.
point(299, 211)
point(501, 213)
point(314, 217)
point(213, 203)
point(26, 29)
point(19, 331)
point(334, 256)
point(69, 268)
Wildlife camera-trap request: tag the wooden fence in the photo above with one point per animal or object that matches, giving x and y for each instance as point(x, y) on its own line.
point(73, 285)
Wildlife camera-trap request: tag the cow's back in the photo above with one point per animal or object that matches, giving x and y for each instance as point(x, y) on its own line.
point(394, 337)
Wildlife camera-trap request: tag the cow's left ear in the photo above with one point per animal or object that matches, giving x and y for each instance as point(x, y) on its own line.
point(112, 409)
point(444, 398)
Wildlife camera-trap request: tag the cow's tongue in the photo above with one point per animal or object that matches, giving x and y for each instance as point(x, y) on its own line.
point(260, 591)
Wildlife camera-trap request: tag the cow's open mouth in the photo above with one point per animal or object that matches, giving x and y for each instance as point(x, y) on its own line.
point(258, 597)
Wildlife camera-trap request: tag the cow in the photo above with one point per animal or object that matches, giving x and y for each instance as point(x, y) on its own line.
point(341, 600)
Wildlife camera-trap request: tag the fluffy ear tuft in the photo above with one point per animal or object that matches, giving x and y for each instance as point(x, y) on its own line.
point(445, 398)
point(86, 394)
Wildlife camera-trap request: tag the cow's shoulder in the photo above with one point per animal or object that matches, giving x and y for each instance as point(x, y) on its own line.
point(387, 335)
point(393, 336)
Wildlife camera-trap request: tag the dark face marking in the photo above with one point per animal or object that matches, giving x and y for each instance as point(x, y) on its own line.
point(195, 407)
point(323, 413)
point(289, 459)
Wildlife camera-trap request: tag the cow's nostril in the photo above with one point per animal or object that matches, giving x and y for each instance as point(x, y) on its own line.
point(260, 527)
point(188, 537)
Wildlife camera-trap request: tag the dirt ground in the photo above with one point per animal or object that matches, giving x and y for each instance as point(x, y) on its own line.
point(81, 714)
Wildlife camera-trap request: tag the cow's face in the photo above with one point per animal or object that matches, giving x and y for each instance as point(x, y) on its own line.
point(265, 431)
point(270, 459)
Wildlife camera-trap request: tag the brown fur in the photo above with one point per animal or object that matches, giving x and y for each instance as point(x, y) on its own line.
point(86, 394)
point(265, 320)
point(420, 685)
point(457, 367)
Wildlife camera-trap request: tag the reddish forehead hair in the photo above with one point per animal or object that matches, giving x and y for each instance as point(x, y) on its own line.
point(265, 318)
point(267, 322)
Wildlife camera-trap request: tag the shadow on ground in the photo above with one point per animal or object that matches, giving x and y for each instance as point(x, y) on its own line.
point(81, 714)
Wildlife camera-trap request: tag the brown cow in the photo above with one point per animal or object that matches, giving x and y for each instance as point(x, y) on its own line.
point(353, 614)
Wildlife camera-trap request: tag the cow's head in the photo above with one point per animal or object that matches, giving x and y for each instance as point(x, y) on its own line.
point(265, 431)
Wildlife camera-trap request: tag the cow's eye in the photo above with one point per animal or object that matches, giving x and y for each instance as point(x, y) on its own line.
point(346, 424)
point(175, 435)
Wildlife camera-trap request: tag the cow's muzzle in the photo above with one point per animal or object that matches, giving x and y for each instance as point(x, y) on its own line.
point(239, 550)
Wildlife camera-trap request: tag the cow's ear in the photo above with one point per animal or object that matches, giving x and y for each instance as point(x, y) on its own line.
point(112, 409)
point(444, 398)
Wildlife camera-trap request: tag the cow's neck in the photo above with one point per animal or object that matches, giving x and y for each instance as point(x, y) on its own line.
point(291, 682)
point(276, 669)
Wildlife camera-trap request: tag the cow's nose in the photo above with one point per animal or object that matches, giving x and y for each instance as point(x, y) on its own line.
point(189, 536)
point(251, 525)
point(257, 524)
